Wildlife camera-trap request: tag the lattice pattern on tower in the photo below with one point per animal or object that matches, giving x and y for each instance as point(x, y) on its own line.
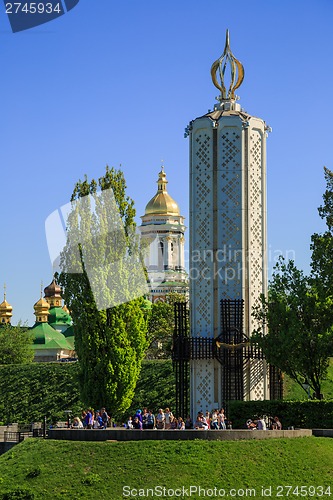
point(202, 290)
point(255, 371)
point(256, 379)
point(230, 150)
point(230, 214)
point(203, 222)
point(231, 189)
point(256, 261)
point(203, 149)
point(201, 266)
point(204, 374)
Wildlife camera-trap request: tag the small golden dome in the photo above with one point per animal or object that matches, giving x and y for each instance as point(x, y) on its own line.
point(5, 309)
point(5, 312)
point(162, 203)
point(41, 307)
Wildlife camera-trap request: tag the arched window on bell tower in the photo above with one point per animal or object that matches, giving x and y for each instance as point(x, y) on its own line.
point(161, 255)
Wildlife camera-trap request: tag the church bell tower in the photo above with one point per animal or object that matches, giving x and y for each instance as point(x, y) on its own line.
point(162, 233)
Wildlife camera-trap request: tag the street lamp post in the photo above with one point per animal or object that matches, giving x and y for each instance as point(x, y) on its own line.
point(68, 414)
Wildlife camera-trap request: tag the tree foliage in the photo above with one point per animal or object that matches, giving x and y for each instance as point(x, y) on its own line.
point(299, 339)
point(322, 244)
point(110, 343)
point(31, 391)
point(15, 345)
point(298, 309)
point(161, 324)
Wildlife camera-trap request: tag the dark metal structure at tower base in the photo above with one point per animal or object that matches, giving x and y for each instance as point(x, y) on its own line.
point(181, 358)
point(232, 348)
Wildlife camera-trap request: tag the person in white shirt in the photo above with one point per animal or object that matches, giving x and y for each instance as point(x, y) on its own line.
point(214, 422)
point(77, 424)
point(160, 419)
point(168, 417)
point(221, 419)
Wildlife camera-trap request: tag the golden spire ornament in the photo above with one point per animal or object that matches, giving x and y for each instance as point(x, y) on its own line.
point(219, 69)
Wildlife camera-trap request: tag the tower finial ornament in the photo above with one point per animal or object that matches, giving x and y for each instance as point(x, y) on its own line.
point(237, 73)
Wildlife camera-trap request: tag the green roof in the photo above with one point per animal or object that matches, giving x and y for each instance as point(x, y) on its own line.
point(69, 332)
point(46, 337)
point(59, 317)
point(71, 341)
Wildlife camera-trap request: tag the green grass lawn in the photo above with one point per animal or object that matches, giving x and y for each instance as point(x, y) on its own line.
point(88, 470)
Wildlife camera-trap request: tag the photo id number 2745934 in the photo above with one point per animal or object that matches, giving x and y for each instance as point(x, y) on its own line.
point(33, 8)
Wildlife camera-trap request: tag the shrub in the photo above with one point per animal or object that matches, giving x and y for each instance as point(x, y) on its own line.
point(300, 414)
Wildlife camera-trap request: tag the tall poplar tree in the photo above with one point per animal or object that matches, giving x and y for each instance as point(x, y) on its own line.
point(110, 342)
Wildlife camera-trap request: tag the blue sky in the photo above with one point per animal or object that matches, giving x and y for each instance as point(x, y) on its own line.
point(117, 82)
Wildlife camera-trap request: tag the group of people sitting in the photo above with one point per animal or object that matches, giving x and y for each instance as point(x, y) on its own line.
point(145, 419)
point(91, 420)
point(164, 420)
point(216, 420)
point(262, 423)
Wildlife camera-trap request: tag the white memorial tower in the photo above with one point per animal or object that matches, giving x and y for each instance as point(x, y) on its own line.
point(227, 230)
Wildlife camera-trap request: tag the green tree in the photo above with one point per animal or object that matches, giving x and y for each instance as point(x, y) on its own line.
point(15, 345)
point(322, 244)
point(161, 324)
point(298, 309)
point(299, 336)
point(110, 342)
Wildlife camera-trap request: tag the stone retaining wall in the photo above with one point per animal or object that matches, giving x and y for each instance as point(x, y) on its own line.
point(323, 432)
point(136, 435)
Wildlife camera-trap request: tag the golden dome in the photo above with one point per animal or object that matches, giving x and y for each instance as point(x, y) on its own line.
point(65, 308)
point(162, 203)
point(5, 309)
point(42, 307)
point(4, 306)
